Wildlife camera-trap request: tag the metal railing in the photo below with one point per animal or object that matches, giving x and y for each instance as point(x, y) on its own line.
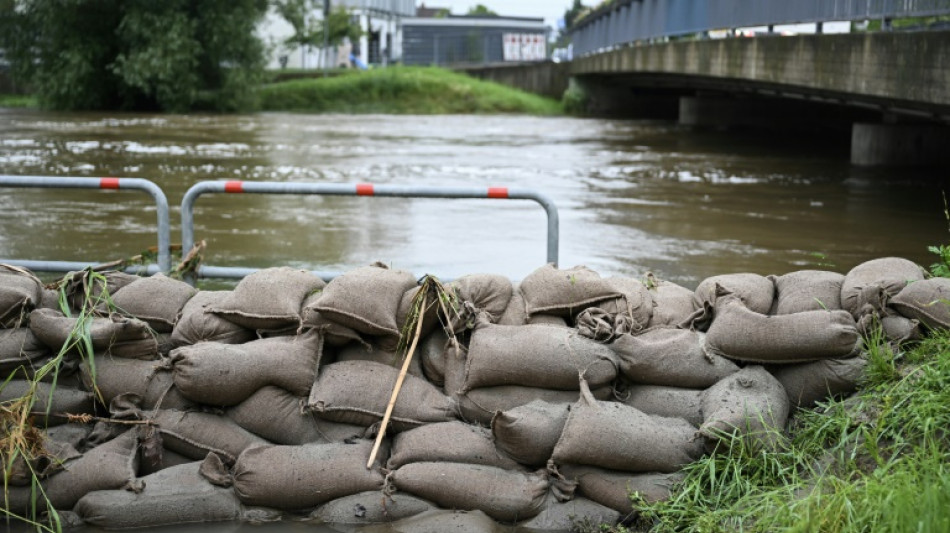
point(53, 182)
point(628, 21)
point(350, 189)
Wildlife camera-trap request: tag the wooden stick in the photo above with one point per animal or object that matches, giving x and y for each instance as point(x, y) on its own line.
point(398, 387)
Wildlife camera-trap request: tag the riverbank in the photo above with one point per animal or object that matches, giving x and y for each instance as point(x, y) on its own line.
point(402, 90)
point(18, 101)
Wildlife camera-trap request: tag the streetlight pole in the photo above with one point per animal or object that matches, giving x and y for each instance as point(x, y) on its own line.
point(326, 34)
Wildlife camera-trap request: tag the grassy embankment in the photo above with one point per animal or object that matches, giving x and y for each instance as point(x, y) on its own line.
point(18, 100)
point(402, 90)
point(878, 461)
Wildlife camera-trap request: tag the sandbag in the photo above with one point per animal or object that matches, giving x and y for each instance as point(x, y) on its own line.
point(198, 324)
point(567, 292)
point(612, 488)
point(84, 290)
point(756, 292)
point(488, 293)
point(432, 356)
point(156, 300)
point(47, 459)
point(528, 433)
point(440, 521)
point(269, 299)
point(280, 417)
point(807, 290)
point(299, 477)
point(741, 334)
point(149, 380)
point(750, 404)
point(366, 352)
point(20, 292)
point(668, 356)
point(118, 336)
point(370, 508)
point(168, 459)
point(227, 374)
point(195, 434)
point(537, 356)
point(480, 405)
point(357, 392)
point(670, 402)
point(632, 310)
point(108, 466)
point(176, 495)
point(19, 347)
point(366, 299)
point(806, 384)
point(548, 320)
point(673, 304)
point(57, 402)
point(867, 286)
point(501, 494)
point(896, 328)
point(566, 516)
point(515, 313)
point(626, 439)
point(449, 442)
point(334, 334)
point(72, 433)
point(927, 301)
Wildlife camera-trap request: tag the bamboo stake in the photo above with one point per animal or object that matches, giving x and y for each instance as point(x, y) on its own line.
point(398, 387)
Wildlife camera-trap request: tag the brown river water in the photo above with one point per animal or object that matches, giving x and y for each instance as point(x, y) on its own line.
point(634, 196)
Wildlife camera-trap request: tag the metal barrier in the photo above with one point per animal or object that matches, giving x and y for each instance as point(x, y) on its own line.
point(628, 21)
point(52, 182)
point(351, 189)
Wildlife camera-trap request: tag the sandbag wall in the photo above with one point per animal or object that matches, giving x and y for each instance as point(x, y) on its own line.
point(534, 404)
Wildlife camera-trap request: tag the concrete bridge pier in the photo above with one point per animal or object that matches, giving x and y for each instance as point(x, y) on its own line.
point(899, 144)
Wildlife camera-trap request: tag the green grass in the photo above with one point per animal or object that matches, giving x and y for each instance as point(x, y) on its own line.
point(402, 90)
point(879, 461)
point(18, 100)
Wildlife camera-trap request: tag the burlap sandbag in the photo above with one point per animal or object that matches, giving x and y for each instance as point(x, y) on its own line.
point(750, 404)
point(47, 459)
point(536, 356)
point(432, 356)
point(55, 402)
point(480, 405)
point(867, 286)
point(376, 354)
point(515, 313)
point(741, 334)
point(756, 292)
point(269, 299)
point(567, 292)
point(566, 516)
point(674, 305)
point(282, 418)
point(195, 434)
point(661, 400)
point(20, 293)
point(300, 477)
point(177, 495)
point(809, 383)
point(456, 358)
point(613, 488)
point(896, 328)
point(72, 433)
point(334, 334)
point(487, 293)
point(357, 392)
point(83, 290)
point(119, 336)
point(366, 299)
point(807, 290)
point(227, 374)
point(528, 433)
point(19, 347)
point(108, 466)
point(668, 356)
point(168, 459)
point(635, 303)
point(927, 301)
point(198, 324)
point(501, 494)
point(154, 384)
point(157, 300)
point(449, 442)
point(370, 508)
point(548, 320)
point(625, 438)
point(441, 521)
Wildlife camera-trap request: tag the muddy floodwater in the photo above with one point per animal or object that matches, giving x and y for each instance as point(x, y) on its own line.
point(633, 196)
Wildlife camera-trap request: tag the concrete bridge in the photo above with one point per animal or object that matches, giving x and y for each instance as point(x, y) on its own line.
point(891, 89)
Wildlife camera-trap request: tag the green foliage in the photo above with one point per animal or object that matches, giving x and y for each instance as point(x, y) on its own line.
point(173, 55)
point(575, 99)
point(309, 29)
point(941, 268)
point(402, 90)
point(17, 100)
point(481, 11)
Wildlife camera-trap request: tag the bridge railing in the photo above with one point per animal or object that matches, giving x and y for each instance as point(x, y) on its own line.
point(628, 21)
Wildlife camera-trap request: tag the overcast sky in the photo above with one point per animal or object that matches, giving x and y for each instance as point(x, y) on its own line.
point(551, 10)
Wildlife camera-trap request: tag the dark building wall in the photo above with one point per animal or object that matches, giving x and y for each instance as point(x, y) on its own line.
point(448, 45)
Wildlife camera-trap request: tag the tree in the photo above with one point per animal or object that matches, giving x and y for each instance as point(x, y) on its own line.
point(571, 16)
point(481, 10)
point(308, 28)
point(172, 55)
